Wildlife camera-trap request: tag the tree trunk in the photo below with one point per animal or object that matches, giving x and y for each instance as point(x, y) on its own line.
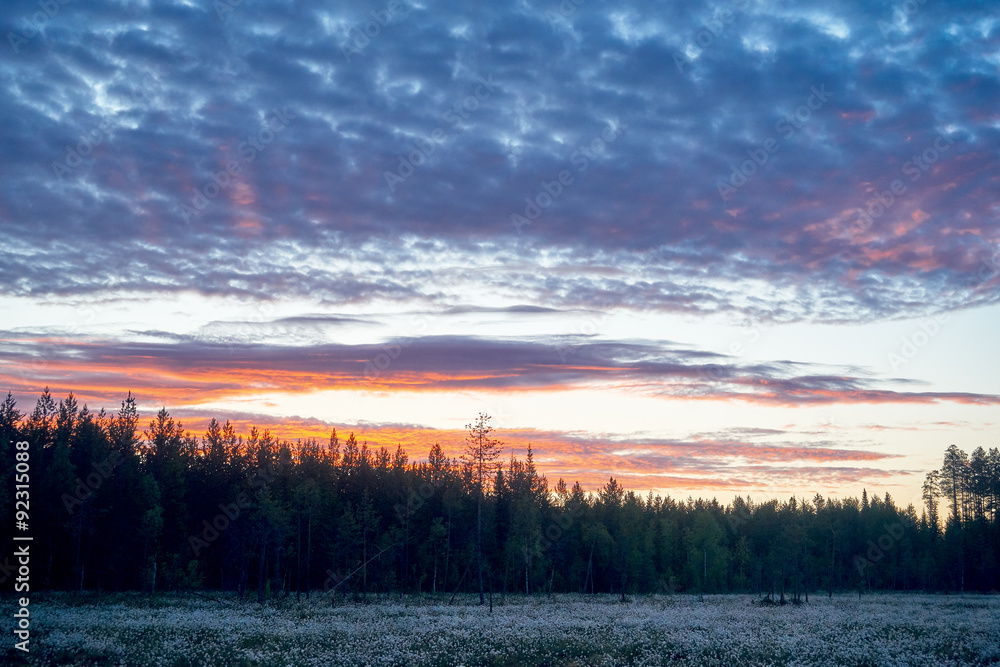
point(479, 539)
point(309, 542)
point(527, 566)
point(260, 574)
point(590, 568)
point(298, 559)
point(447, 555)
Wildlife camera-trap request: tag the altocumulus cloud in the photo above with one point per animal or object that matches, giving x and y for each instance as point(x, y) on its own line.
point(314, 213)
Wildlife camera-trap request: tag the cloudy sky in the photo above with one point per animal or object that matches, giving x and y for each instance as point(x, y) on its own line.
point(706, 247)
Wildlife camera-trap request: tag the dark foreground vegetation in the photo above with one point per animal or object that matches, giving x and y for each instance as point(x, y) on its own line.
point(115, 506)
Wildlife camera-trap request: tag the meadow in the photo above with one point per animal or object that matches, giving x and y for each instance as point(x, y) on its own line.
point(725, 630)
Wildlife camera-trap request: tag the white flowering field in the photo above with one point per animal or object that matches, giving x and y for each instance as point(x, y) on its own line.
point(564, 630)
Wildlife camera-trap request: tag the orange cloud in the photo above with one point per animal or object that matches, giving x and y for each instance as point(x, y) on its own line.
point(189, 373)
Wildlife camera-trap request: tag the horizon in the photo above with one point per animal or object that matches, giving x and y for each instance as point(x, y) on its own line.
point(415, 442)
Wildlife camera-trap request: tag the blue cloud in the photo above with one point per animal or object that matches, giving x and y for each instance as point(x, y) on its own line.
point(143, 108)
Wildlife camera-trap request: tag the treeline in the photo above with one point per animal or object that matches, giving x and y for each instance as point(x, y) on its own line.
point(117, 505)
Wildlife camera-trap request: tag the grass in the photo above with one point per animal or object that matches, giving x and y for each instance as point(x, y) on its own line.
point(178, 631)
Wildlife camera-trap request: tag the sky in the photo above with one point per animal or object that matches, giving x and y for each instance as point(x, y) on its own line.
point(708, 248)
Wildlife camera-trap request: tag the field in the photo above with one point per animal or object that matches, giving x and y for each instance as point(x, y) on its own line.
point(564, 630)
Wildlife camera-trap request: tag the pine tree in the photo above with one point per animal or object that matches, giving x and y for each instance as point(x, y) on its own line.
point(10, 418)
point(482, 453)
point(953, 476)
point(931, 496)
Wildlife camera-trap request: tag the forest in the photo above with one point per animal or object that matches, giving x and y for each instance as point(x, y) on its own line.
point(120, 505)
